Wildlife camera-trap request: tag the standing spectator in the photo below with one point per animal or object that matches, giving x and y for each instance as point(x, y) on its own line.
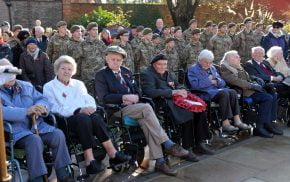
point(42, 40)
point(232, 27)
point(35, 64)
point(105, 36)
point(214, 29)
point(137, 39)
point(275, 37)
point(171, 55)
point(57, 41)
point(133, 32)
point(123, 35)
point(165, 34)
point(19, 47)
point(5, 51)
point(179, 43)
point(156, 40)
point(159, 26)
point(187, 34)
point(207, 34)
point(15, 30)
point(259, 33)
point(7, 36)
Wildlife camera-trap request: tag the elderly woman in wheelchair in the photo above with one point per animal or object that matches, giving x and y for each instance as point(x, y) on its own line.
point(69, 98)
point(234, 74)
point(203, 75)
point(20, 102)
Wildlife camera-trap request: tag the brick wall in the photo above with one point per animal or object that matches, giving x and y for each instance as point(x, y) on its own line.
point(3, 12)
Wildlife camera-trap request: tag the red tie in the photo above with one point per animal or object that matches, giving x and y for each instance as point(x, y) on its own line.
point(122, 81)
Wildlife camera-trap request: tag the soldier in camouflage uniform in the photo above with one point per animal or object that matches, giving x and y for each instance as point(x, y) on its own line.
point(165, 34)
point(220, 43)
point(245, 41)
point(14, 41)
point(171, 54)
point(123, 36)
point(74, 49)
point(206, 35)
point(179, 43)
point(259, 33)
point(187, 34)
point(232, 27)
point(93, 55)
point(145, 51)
point(136, 41)
point(192, 49)
point(156, 40)
point(57, 41)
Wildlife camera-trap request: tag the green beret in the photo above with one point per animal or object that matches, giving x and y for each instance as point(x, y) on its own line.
point(155, 36)
point(195, 31)
point(60, 23)
point(221, 24)
point(91, 25)
point(140, 28)
point(146, 31)
point(74, 28)
point(169, 40)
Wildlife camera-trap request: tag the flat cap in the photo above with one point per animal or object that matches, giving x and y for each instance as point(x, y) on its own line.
point(146, 31)
point(116, 49)
point(169, 40)
point(277, 24)
point(74, 28)
point(61, 23)
point(158, 57)
point(195, 31)
point(91, 25)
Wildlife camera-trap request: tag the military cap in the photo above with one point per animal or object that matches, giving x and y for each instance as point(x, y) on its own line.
point(140, 28)
point(158, 57)
point(246, 20)
point(208, 23)
point(230, 25)
point(277, 24)
point(146, 31)
point(195, 31)
point(122, 32)
point(133, 26)
point(17, 27)
point(169, 40)
point(5, 23)
point(221, 24)
point(116, 49)
point(177, 28)
point(192, 21)
point(91, 25)
point(61, 23)
point(74, 28)
point(155, 36)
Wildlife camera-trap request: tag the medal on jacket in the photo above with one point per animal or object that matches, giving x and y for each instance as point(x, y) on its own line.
point(64, 95)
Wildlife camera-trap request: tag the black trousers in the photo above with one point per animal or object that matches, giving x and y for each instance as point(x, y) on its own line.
point(282, 90)
point(195, 131)
point(229, 104)
point(88, 126)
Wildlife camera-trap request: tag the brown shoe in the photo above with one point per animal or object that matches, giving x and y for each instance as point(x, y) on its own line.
point(176, 151)
point(164, 168)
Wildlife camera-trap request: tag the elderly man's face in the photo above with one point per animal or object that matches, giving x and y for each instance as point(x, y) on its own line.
point(114, 61)
point(205, 63)
point(159, 23)
point(64, 72)
point(38, 33)
point(160, 66)
point(258, 55)
point(234, 60)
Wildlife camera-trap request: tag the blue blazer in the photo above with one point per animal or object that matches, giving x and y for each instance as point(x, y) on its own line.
point(109, 90)
point(15, 108)
point(198, 79)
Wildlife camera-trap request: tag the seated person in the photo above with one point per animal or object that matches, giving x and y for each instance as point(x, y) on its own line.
point(157, 82)
point(277, 61)
point(20, 101)
point(69, 98)
point(203, 75)
point(260, 68)
point(35, 65)
point(115, 85)
point(234, 74)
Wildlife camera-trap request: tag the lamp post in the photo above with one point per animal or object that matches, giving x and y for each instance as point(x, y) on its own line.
point(9, 4)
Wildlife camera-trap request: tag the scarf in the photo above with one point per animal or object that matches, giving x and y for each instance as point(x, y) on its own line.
point(231, 68)
point(34, 54)
point(278, 34)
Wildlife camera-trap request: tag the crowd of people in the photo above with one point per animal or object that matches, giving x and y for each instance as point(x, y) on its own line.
point(58, 71)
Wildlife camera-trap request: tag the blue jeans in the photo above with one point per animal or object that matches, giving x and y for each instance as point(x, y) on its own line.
point(267, 111)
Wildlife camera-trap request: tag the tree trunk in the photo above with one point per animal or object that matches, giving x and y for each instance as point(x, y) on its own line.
point(182, 12)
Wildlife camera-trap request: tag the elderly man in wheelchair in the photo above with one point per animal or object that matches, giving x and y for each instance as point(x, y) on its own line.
point(158, 83)
point(20, 102)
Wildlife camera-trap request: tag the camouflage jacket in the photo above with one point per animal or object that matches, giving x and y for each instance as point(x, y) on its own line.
point(219, 44)
point(55, 45)
point(258, 37)
point(135, 43)
point(205, 38)
point(129, 61)
point(143, 55)
point(187, 34)
point(173, 59)
point(180, 47)
point(13, 42)
point(192, 51)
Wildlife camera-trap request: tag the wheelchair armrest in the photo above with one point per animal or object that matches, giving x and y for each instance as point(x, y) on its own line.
point(50, 119)
point(10, 130)
point(114, 107)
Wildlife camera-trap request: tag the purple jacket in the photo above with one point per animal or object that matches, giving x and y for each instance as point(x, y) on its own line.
point(198, 79)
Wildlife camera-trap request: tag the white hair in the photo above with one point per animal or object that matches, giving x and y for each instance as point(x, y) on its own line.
point(205, 54)
point(39, 28)
point(227, 55)
point(65, 59)
point(273, 51)
point(258, 48)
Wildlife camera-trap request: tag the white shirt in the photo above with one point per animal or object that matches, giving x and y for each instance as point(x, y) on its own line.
point(65, 99)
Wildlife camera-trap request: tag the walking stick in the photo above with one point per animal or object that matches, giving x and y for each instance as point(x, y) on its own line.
point(34, 124)
point(4, 176)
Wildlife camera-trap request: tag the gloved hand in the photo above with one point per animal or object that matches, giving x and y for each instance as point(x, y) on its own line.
point(257, 87)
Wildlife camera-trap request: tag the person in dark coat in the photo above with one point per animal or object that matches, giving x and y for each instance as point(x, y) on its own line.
point(42, 40)
point(275, 37)
point(157, 82)
point(5, 51)
point(35, 64)
point(19, 47)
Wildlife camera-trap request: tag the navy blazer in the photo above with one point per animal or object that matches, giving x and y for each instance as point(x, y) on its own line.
point(109, 90)
point(254, 69)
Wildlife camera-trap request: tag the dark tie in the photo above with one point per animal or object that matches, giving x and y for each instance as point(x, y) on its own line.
point(122, 81)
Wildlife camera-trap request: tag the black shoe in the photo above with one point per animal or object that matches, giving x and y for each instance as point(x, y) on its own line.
point(263, 133)
point(94, 167)
point(120, 157)
point(190, 157)
point(204, 149)
point(67, 179)
point(275, 131)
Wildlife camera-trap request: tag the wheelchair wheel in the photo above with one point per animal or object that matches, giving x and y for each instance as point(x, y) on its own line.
point(118, 169)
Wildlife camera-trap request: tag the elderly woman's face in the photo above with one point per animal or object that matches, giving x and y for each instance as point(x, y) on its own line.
point(234, 60)
point(64, 72)
point(205, 63)
point(278, 56)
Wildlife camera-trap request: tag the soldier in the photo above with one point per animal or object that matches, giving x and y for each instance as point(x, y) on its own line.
point(57, 41)
point(232, 27)
point(259, 33)
point(207, 34)
point(156, 40)
point(214, 29)
point(171, 54)
point(145, 51)
point(192, 49)
point(74, 49)
point(136, 40)
point(165, 34)
point(179, 43)
point(245, 41)
point(14, 41)
point(123, 37)
point(187, 34)
point(133, 33)
point(220, 43)
point(93, 55)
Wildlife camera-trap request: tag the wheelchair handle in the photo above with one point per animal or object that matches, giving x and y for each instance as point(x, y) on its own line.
point(34, 124)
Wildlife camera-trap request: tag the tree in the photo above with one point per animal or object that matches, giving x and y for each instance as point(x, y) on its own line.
point(182, 11)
